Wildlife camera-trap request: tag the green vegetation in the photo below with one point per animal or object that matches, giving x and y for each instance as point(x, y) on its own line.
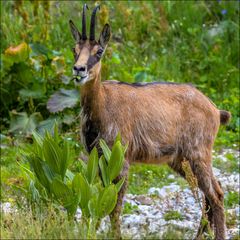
point(49, 224)
point(230, 165)
point(173, 41)
point(129, 208)
point(169, 42)
point(51, 181)
point(173, 215)
point(231, 199)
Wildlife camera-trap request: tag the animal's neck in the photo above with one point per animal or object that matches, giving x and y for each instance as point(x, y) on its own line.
point(92, 96)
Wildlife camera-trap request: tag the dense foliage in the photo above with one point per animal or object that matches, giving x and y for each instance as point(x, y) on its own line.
point(176, 41)
point(51, 181)
point(193, 42)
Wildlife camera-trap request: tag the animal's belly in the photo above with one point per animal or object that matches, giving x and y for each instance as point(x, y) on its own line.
point(159, 160)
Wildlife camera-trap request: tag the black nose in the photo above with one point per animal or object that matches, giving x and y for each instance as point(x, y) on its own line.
point(79, 68)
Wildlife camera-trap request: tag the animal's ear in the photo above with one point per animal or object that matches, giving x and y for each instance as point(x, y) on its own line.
point(105, 35)
point(76, 34)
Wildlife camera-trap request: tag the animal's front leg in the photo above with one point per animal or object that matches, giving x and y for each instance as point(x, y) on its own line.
point(115, 215)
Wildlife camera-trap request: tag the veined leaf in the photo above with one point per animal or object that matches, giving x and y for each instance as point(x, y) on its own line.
point(56, 135)
point(34, 192)
point(69, 175)
point(51, 152)
point(119, 184)
point(63, 99)
point(22, 123)
point(40, 171)
point(118, 138)
point(65, 195)
point(37, 138)
point(116, 161)
point(65, 158)
point(92, 166)
point(104, 171)
point(81, 186)
point(106, 150)
point(93, 206)
point(107, 201)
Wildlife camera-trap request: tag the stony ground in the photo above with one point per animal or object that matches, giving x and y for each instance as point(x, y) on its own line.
point(169, 210)
point(173, 209)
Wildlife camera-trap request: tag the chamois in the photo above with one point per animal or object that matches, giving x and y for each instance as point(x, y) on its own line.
point(162, 122)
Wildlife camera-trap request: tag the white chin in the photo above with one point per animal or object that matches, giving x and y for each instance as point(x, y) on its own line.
point(78, 81)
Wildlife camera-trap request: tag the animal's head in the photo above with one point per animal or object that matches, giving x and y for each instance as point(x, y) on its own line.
point(88, 51)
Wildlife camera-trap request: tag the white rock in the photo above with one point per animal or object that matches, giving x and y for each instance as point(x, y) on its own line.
point(171, 176)
point(6, 207)
point(216, 171)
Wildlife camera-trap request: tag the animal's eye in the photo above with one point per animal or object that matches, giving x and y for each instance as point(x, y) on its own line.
point(99, 52)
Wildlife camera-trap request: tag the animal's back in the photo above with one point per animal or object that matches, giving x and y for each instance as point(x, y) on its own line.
point(159, 120)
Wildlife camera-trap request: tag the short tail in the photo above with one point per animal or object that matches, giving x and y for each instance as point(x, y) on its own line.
point(225, 117)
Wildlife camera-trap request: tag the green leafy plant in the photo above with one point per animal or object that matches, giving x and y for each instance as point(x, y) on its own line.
point(173, 215)
point(50, 158)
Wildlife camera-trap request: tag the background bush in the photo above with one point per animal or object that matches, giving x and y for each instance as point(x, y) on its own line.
point(195, 42)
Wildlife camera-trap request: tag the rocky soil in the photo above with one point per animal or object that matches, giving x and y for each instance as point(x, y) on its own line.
point(152, 213)
point(168, 210)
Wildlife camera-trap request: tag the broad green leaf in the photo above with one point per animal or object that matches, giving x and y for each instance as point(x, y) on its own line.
point(28, 93)
point(69, 175)
point(63, 99)
point(106, 150)
point(22, 123)
point(56, 135)
point(41, 172)
point(92, 166)
point(104, 171)
point(119, 184)
point(83, 167)
point(39, 49)
point(52, 154)
point(65, 195)
point(34, 192)
point(107, 201)
point(65, 158)
point(37, 138)
point(93, 206)
point(116, 161)
point(80, 185)
point(118, 138)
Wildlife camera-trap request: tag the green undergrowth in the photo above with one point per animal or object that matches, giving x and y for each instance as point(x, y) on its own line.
point(172, 215)
point(143, 176)
point(49, 224)
point(129, 208)
point(230, 165)
point(231, 199)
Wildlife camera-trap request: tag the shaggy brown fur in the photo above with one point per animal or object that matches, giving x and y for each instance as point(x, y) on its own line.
point(162, 122)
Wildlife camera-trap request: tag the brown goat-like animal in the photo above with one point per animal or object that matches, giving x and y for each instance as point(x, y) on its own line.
point(162, 122)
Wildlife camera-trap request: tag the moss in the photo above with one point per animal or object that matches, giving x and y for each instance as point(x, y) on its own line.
point(129, 208)
point(173, 215)
point(231, 199)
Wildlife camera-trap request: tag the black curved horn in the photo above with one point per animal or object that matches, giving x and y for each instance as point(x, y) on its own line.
point(92, 25)
point(84, 32)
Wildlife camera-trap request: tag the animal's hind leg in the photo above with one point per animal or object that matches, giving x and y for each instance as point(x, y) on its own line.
point(209, 212)
point(115, 215)
point(208, 184)
point(213, 198)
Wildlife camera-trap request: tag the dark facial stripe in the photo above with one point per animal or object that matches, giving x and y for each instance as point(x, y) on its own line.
point(92, 61)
